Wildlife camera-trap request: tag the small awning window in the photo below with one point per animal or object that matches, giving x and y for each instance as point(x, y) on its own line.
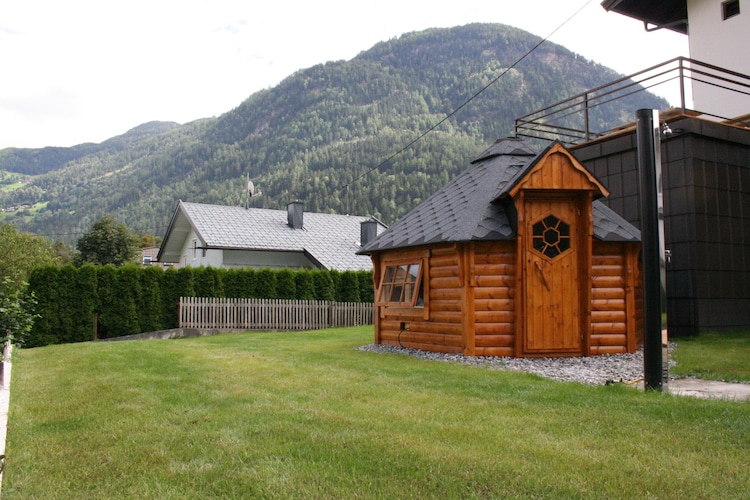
point(402, 285)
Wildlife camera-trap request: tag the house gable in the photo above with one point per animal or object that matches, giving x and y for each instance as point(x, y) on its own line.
point(557, 169)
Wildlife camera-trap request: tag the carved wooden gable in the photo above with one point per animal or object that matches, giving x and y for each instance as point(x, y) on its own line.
point(559, 170)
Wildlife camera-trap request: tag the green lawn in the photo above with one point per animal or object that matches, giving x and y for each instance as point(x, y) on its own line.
point(306, 415)
point(714, 356)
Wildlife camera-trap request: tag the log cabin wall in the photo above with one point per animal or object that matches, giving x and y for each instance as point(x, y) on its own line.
point(480, 278)
point(493, 277)
point(615, 304)
point(472, 313)
point(438, 326)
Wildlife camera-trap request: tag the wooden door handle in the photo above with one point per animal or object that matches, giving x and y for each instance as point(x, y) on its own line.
point(541, 274)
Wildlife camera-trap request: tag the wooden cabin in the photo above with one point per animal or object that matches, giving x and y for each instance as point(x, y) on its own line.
point(514, 257)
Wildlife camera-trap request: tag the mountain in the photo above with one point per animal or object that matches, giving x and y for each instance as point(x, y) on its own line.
point(331, 135)
point(40, 161)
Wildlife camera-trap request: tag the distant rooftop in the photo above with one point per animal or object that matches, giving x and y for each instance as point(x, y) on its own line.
point(330, 239)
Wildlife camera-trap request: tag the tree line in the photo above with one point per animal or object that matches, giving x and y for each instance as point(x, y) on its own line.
point(78, 304)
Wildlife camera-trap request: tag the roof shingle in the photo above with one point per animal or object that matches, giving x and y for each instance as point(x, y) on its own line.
point(474, 207)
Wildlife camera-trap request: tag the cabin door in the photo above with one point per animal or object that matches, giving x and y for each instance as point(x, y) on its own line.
point(551, 276)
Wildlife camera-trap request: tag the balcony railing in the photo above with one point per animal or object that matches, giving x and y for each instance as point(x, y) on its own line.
point(578, 118)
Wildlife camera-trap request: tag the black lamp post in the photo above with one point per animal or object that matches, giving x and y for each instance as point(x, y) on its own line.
point(653, 253)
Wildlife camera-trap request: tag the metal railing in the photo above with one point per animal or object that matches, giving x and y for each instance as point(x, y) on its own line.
point(579, 118)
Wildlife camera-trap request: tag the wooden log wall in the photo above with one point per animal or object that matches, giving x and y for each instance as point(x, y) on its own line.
point(470, 302)
point(442, 330)
point(493, 279)
point(613, 299)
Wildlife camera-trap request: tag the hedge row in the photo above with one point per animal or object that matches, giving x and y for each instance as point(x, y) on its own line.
point(74, 303)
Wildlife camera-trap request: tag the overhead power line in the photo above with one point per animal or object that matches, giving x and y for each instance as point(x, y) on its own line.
point(470, 99)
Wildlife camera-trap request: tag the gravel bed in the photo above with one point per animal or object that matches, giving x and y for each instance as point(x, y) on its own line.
point(592, 370)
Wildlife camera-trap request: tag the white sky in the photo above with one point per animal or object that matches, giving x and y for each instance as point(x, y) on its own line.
point(79, 71)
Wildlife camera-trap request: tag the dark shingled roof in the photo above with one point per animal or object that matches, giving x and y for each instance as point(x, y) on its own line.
point(474, 206)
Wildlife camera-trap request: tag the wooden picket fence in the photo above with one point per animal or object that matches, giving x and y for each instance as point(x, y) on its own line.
point(272, 314)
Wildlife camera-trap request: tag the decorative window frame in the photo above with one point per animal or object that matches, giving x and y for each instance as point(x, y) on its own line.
point(539, 239)
point(402, 283)
point(413, 308)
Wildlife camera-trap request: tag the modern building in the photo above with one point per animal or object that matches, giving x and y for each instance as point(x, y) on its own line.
point(717, 33)
point(704, 151)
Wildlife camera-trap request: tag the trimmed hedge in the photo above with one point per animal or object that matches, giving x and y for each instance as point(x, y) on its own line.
point(81, 304)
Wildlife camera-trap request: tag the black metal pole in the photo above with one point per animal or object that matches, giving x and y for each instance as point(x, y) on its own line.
point(651, 246)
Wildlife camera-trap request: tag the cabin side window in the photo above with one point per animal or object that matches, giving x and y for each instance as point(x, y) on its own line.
point(401, 285)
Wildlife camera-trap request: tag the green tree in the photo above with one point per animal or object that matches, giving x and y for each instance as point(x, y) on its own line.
point(366, 286)
point(44, 284)
point(149, 299)
point(86, 302)
point(286, 288)
point(108, 242)
point(348, 287)
point(16, 313)
point(325, 288)
point(176, 283)
point(106, 278)
point(305, 285)
point(266, 283)
point(208, 282)
point(125, 311)
point(22, 253)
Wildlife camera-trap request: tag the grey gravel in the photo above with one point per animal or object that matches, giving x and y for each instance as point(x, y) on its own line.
point(592, 370)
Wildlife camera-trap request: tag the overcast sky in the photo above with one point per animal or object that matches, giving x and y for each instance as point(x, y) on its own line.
point(79, 71)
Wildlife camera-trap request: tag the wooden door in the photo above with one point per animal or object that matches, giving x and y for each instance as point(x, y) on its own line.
point(551, 276)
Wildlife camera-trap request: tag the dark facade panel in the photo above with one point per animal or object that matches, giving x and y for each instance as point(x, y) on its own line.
point(706, 179)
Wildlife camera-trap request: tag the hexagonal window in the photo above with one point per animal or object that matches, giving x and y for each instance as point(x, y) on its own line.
point(551, 236)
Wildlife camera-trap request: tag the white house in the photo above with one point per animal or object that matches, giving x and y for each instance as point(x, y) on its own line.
point(718, 34)
point(224, 236)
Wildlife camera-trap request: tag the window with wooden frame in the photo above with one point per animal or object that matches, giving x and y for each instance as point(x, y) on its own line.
point(401, 285)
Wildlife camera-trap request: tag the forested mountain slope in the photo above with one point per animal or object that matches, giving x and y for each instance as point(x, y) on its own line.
point(316, 135)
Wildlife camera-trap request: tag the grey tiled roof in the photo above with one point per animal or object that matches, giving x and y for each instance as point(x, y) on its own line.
point(330, 239)
point(474, 207)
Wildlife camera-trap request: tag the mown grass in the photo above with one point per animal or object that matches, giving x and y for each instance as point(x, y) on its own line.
point(306, 415)
point(714, 356)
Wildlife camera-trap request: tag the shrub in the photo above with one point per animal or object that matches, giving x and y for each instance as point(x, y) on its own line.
point(43, 285)
point(325, 289)
point(305, 285)
point(79, 304)
point(286, 288)
point(266, 284)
